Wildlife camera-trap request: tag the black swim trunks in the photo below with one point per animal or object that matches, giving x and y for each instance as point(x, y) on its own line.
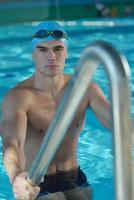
point(63, 181)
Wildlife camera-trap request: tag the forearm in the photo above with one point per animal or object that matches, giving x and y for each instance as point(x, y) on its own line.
point(14, 161)
point(103, 113)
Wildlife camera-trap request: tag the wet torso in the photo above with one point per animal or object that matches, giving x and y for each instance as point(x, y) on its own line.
point(39, 117)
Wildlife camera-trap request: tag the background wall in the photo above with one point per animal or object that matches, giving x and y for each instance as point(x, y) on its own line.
point(12, 11)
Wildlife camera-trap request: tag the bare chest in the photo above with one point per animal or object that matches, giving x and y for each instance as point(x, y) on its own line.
point(42, 112)
point(40, 115)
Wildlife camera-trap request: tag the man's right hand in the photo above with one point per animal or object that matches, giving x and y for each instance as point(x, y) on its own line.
point(23, 189)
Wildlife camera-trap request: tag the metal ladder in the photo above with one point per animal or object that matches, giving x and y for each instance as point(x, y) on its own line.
point(118, 72)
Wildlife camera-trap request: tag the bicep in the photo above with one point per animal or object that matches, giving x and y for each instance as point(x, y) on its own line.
point(100, 105)
point(15, 128)
point(14, 123)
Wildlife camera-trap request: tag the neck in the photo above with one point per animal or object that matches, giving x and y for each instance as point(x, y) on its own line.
point(48, 83)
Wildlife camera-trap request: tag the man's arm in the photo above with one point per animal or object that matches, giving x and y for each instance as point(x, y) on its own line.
point(14, 125)
point(100, 105)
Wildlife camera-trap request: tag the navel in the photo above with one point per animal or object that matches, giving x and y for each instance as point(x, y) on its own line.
point(77, 125)
point(41, 131)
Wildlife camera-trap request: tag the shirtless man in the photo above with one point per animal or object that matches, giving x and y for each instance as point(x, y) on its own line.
point(27, 113)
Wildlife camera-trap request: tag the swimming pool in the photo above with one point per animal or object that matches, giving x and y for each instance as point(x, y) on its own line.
point(95, 152)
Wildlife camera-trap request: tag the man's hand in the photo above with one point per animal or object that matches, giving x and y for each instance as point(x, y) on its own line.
point(23, 190)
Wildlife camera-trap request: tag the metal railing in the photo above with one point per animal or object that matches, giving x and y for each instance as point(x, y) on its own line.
point(118, 73)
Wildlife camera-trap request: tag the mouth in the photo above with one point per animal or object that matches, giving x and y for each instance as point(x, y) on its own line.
point(52, 66)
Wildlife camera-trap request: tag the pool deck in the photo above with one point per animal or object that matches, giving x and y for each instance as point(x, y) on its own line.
point(30, 10)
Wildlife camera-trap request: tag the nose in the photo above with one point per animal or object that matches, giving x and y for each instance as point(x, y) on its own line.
point(51, 55)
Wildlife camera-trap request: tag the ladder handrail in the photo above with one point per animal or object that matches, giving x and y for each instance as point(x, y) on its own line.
point(118, 72)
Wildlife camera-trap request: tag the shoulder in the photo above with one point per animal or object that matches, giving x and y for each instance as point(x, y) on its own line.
point(67, 77)
point(20, 93)
point(94, 89)
point(95, 92)
point(18, 98)
point(17, 93)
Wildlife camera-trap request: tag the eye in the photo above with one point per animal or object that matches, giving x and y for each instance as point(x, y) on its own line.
point(58, 48)
point(44, 49)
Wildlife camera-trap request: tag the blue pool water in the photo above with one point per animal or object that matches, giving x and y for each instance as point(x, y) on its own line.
point(95, 153)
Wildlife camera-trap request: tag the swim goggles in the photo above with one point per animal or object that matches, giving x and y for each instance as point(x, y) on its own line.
point(45, 33)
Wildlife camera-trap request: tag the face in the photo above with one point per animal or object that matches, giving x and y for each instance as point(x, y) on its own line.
point(50, 57)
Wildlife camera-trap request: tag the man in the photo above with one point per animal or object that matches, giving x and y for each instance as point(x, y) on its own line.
point(27, 113)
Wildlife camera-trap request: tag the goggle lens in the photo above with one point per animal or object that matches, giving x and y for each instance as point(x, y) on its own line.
point(44, 33)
